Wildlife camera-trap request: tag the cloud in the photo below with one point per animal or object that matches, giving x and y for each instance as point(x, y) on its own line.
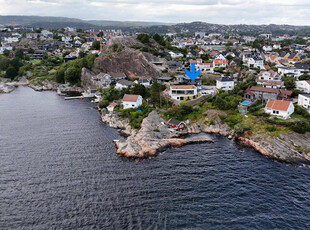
point(212, 11)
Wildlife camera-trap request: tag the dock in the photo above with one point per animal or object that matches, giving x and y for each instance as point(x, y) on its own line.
point(73, 98)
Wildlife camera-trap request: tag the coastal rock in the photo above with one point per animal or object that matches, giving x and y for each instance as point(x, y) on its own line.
point(153, 137)
point(291, 148)
point(6, 88)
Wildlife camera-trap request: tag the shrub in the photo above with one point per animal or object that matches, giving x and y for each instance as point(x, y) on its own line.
point(271, 128)
point(300, 127)
point(241, 128)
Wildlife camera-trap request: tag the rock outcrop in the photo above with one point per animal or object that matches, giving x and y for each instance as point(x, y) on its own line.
point(5, 88)
point(291, 148)
point(133, 63)
point(153, 137)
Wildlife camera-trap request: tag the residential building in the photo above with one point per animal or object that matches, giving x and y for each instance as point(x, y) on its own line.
point(220, 61)
point(111, 107)
point(183, 92)
point(124, 84)
point(282, 109)
point(303, 86)
point(269, 75)
point(225, 83)
point(132, 101)
point(256, 62)
point(304, 101)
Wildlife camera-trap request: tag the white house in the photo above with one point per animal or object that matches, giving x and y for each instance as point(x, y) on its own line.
point(220, 61)
point(132, 101)
point(47, 34)
point(279, 108)
point(183, 92)
point(303, 86)
point(304, 101)
point(204, 67)
point(3, 48)
point(256, 62)
point(225, 83)
point(267, 48)
point(176, 54)
point(124, 84)
point(289, 71)
point(269, 75)
point(111, 107)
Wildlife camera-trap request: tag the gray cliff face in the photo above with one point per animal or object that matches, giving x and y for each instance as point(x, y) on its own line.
point(153, 137)
point(291, 148)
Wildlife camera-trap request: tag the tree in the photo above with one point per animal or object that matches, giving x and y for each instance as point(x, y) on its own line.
point(304, 77)
point(4, 63)
point(228, 44)
point(73, 75)
point(139, 89)
point(19, 53)
point(11, 72)
point(60, 75)
point(6, 53)
point(289, 82)
point(96, 45)
point(144, 38)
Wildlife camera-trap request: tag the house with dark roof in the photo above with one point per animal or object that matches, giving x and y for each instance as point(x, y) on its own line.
point(225, 83)
point(124, 84)
point(265, 94)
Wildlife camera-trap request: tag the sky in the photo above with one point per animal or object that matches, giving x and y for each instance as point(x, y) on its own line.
point(293, 12)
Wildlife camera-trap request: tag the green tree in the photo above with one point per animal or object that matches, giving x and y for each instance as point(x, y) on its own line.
point(6, 53)
point(73, 75)
point(4, 63)
point(139, 89)
point(60, 75)
point(96, 45)
point(19, 53)
point(11, 72)
point(289, 82)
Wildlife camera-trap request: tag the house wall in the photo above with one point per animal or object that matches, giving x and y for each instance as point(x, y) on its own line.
point(281, 114)
point(225, 85)
point(129, 104)
point(303, 86)
point(183, 94)
point(304, 102)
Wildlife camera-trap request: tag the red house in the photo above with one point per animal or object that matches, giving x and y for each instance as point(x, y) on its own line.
point(178, 125)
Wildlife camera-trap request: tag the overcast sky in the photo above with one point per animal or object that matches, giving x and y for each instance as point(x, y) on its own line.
point(294, 12)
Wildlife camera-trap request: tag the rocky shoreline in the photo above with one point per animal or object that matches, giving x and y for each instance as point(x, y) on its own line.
point(155, 137)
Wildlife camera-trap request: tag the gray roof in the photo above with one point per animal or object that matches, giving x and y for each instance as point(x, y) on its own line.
point(222, 79)
point(306, 95)
point(126, 82)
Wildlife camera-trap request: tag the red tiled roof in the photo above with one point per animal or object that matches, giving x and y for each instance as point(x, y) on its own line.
point(130, 97)
point(278, 105)
point(308, 81)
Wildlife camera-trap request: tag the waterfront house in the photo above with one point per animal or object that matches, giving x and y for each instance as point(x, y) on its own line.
point(111, 107)
point(225, 83)
point(281, 109)
point(131, 101)
point(183, 92)
point(175, 124)
point(303, 86)
point(304, 101)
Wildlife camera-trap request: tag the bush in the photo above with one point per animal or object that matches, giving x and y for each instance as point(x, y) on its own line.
point(300, 127)
point(241, 128)
point(271, 128)
point(301, 111)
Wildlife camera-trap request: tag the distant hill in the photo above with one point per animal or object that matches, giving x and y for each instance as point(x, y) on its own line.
point(241, 29)
point(60, 22)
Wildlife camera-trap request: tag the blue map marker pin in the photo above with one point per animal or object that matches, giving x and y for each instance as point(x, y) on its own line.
point(193, 74)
